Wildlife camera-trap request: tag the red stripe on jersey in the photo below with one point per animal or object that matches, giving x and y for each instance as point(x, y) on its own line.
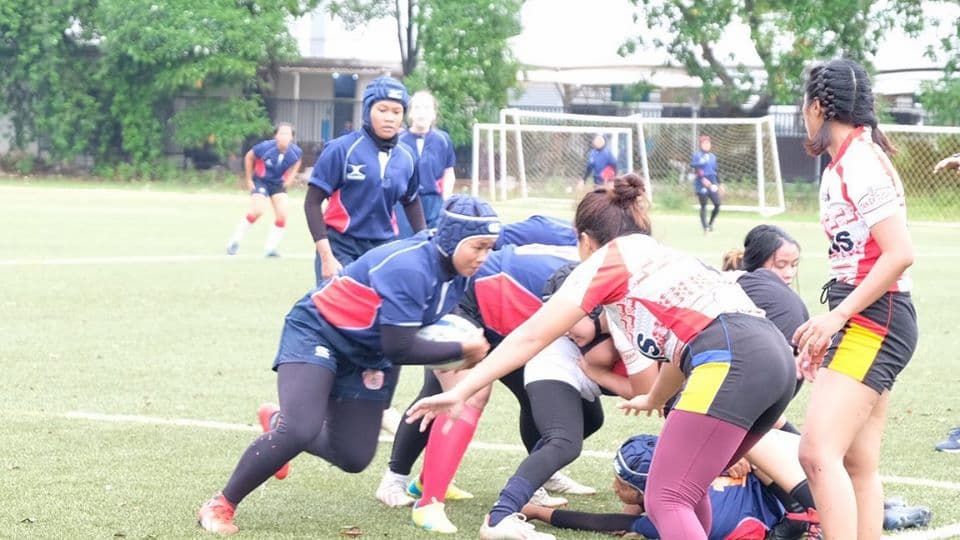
point(504, 304)
point(843, 147)
point(259, 168)
point(393, 223)
point(685, 323)
point(287, 173)
point(336, 215)
point(610, 283)
point(871, 252)
point(608, 173)
point(873, 326)
point(440, 185)
point(347, 304)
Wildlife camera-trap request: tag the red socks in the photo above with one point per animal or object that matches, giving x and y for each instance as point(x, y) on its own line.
point(445, 452)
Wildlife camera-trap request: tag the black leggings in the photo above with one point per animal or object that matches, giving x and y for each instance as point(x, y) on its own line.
point(341, 431)
point(564, 419)
point(713, 196)
point(409, 441)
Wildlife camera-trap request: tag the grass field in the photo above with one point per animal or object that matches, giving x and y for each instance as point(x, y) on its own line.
point(121, 302)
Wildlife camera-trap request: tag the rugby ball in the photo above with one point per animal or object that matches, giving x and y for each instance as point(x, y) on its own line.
point(449, 328)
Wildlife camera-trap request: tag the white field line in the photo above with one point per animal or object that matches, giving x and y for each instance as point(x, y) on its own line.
point(133, 259)
point(479, 445)
point(143, 259)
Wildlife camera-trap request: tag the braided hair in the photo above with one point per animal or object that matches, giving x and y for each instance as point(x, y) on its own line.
point(843, 89)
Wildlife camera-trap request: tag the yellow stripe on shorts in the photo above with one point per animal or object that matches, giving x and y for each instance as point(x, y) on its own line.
point(702, 387)
point(856, 351)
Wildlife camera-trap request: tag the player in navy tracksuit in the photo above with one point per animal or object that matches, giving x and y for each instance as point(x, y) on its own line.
point(339, 340)
point(742, 508)
point(436, 159)
point(538, 229)
point(362, 176)
point(601, 163)
point(706, 183)
point(269, 167)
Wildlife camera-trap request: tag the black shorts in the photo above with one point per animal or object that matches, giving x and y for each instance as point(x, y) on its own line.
point(267, 189)
point(739, 369)
point(877, 343)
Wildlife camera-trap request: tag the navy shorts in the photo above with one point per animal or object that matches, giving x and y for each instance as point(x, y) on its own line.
point(303, 342)
point(346, 249)
point(267, 189)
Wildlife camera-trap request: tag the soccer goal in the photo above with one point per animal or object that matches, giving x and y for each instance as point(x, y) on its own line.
point(930, 197)
point(532, 161)
point(746, 149)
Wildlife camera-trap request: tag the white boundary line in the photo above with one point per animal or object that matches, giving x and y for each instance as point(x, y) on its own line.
point(134, 259)
point(479, 445)
point(945, 532)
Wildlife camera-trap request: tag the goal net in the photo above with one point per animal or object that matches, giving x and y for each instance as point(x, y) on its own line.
point(662, 148)
point(930, 197)
point(532, 161)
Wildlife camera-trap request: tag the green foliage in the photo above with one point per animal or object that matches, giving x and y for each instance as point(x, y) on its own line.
point(467, 63)
point(220, 125)
point(99, 77)
point(787, 35)
point(407, 15)
point(942, 98)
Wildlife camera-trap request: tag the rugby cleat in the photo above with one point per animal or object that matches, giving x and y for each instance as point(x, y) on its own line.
point(415, 490)
point(561, 483)
point(216, 516)
point(902, 517)
point(542, 498)
point(272, 254)
point(512, 527)
point(432, 517)
point(232, 248)
point(952, 444)
point(269, 414)
point(392, 490)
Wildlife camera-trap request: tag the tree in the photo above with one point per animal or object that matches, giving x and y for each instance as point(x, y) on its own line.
point(467, 62)
point(406, 14)
point(786, 34)
point(101, 77)
point(942, 98)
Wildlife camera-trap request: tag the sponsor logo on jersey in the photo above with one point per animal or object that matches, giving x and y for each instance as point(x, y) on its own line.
point(356, 171)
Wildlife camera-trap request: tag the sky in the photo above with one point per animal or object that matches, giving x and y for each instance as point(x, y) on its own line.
point(564, 33)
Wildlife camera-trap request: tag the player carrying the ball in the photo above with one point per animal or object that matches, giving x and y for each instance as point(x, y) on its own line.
point(336, 342)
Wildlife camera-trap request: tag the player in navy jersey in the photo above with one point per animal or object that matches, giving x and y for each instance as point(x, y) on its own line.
point(706, 182)
point(601, 163)
point(341, 340)
point(362, 176)
point(538, 229)
point(436, 159)
point(742, 508)
point(269, 167)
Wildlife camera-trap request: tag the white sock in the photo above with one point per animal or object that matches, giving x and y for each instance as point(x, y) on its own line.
point(240, 231)
point(398, 478)
point(276, 234)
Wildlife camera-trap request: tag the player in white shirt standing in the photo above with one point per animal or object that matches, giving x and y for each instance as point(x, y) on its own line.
point(870, 332)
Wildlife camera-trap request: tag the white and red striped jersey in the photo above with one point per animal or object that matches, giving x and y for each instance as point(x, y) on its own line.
point(658, 297)
point(859, 189)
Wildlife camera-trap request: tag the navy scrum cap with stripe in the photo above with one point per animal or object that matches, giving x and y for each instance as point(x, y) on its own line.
point(380, 89)
point(632, 462)
point(465, 217)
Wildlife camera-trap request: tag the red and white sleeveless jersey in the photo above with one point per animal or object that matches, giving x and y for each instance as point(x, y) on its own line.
point(660, 298)
point(859, 189)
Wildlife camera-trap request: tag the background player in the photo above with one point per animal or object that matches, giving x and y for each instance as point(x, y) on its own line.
point(363, 174)
point(706, 182)
point(601, 163)
point(436, 160)
point(269, 167)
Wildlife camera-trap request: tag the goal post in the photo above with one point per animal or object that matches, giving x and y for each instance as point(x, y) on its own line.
point(532, 161)
point(930, 197)
point(748, 160)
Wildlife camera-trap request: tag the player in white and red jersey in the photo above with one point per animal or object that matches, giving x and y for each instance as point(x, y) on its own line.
point(738, 370)
point(870, 332)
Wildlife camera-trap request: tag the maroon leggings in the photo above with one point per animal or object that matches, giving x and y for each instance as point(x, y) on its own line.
point(692, 451)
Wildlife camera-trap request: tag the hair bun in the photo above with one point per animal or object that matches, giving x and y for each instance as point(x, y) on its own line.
point(627, 189)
